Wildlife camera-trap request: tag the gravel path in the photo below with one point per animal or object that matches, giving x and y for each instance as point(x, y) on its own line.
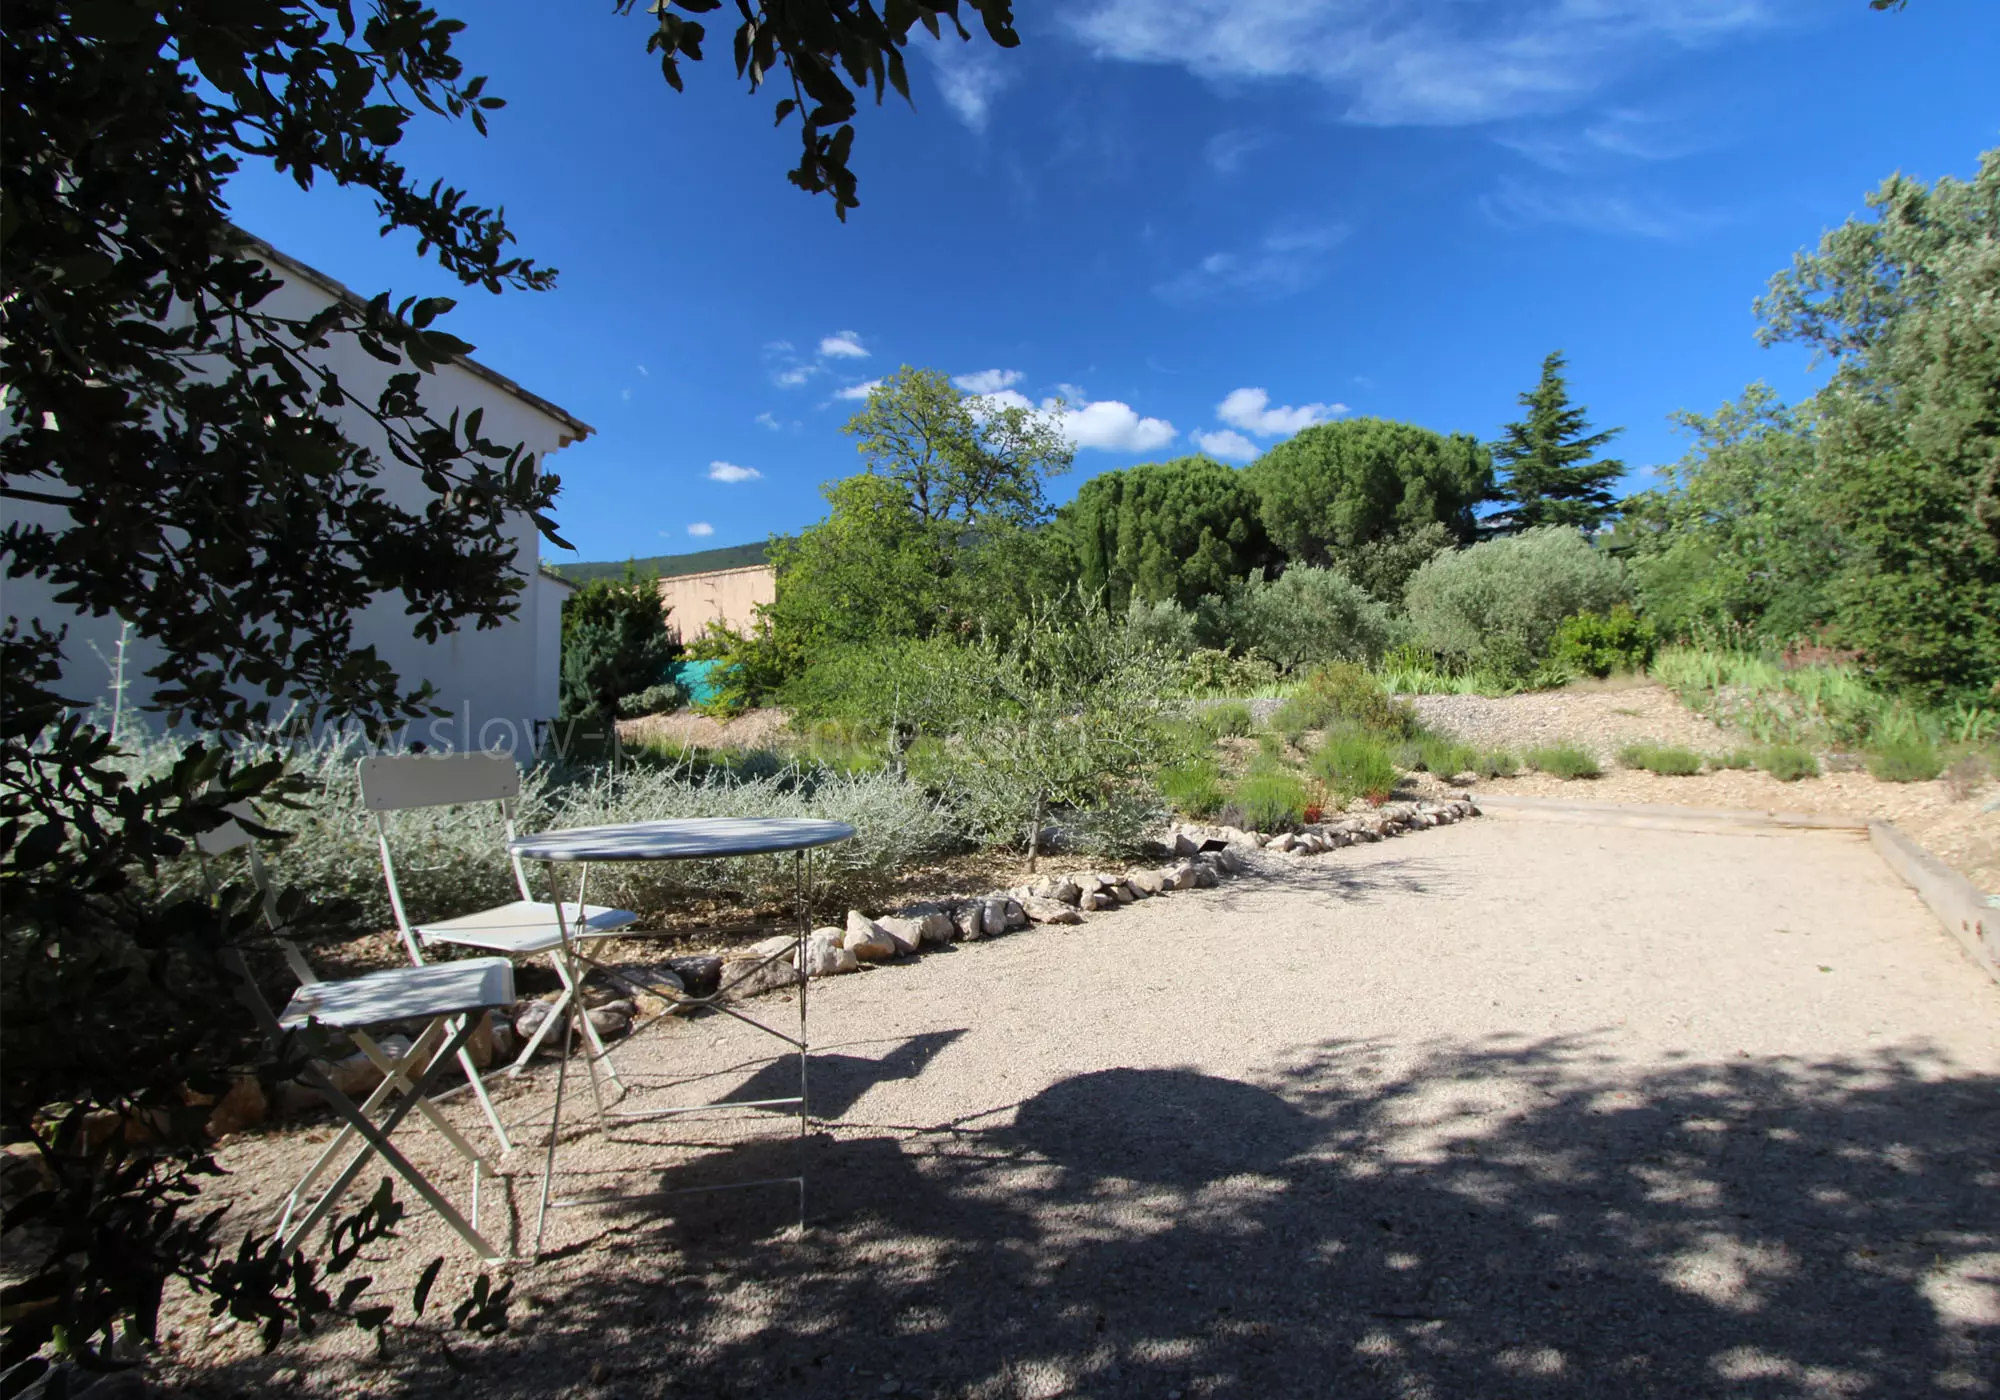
point(1505, 1108)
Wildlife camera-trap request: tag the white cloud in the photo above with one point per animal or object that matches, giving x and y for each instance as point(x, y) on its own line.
point(858, 391)
point(701, 529)
point(1276, 266)
point(731, 473)
point(643, 371)
point(1418, 62)
point(766, 420)
point(988, 381)
point(1518, 206)
point(843, 345)
point(793, 377)
point(1251, 410)
point(1072, 392)
point(969, 77)
point(1227, 443)
point(1107, 424)
point(1616, 137)
point(1226, 151)
point(1115, 427)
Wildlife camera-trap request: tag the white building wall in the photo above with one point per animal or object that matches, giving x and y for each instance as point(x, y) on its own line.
point(495, 684)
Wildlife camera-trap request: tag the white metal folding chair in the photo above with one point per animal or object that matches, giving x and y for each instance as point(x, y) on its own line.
point(527, 927)
point(450, 997)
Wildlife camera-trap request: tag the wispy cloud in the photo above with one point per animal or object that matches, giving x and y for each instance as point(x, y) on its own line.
point(1277, 265)
point(644, 373)
point(701, 529)
point(1418, 62)
point(1634, 215)
point(858, 391)
point(1225, 443)
point(793, 375)
point(768, 420)
point(842, 345)
point(731, 473)
point(1226, 151)
point(1611, 139)
point(988, 381)
point(969, 77)
point(1252, 411)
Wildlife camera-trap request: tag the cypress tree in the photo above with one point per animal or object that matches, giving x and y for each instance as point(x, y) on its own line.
point(1549, 475)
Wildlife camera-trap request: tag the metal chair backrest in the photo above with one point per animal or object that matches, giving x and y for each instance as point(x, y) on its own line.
point(400, 782)
point(221, 841)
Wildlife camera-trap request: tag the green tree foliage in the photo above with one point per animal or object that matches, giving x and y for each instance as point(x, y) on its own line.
point(172, 447)
point(1549, 477)
point(1340, 486)
point(1304, 617)
point(615, 643)
point(959, 458)
point(939, 533)
point(1907, 304)
point(1735, 536)
point(1498, 605)
point(873, 569)
point(1165, 531)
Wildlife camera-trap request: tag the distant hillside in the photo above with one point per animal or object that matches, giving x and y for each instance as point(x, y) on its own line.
point(734, 556)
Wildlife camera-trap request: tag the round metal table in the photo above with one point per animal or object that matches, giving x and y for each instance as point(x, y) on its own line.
point(699, 838)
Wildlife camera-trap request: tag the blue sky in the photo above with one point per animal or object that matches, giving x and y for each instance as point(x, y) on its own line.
point(1204, 222)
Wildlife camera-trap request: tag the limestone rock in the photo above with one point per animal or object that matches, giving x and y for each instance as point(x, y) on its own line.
point(1090, 901)
point(969, 920)
point(1185, 843)
point(243, 1106)
point(1147, 882)
point(1050, 911)
point(1283, 841)
point(908, 933)
point(612, 1019)
point(1017, 914)
point(1205, 878)
point(758, 978)
point(827, 956)
point(1065, 889)
point(699, 973)
point(866, 939)
point(993, 915)
point(773, 946)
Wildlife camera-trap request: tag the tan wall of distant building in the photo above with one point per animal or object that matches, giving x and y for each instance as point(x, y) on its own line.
point(728, 596)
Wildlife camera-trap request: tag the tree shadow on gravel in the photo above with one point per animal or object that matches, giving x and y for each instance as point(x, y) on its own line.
point(1511, 1218)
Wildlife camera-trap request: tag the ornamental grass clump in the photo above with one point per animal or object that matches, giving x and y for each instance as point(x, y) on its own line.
point(1193, 789)
point(1563, 761)
point(1352, 764)
point(1497, 763)
point(1270, 799)
point(1230, 720)
point(1788, 764)
point(1667, 760)
point(1905, 761)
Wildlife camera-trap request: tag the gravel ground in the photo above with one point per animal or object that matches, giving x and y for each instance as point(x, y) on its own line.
point(1958, 828)
point(1602, 720)
point(1504, 1108)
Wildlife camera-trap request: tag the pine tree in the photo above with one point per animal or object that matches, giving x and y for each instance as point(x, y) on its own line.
point(1550, 478)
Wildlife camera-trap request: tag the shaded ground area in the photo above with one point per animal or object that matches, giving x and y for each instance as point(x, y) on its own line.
point(1508, 1108)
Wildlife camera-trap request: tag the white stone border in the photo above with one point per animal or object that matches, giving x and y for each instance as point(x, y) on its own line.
point(1204, 857)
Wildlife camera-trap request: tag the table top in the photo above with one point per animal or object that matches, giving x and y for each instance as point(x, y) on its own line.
point(697, 838)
